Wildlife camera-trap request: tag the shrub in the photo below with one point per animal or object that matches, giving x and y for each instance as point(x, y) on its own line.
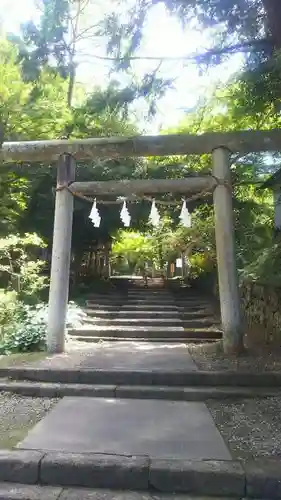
point(19, 262)
point(27, 331)
point(265, 267)
point(32, 283)
point(8, 305)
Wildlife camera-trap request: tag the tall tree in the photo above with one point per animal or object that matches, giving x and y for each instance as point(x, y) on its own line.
point(59, 40)
point(251, 27)
point(63, 25)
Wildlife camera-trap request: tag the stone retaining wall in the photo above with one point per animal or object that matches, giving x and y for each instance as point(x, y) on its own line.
point(261, 305)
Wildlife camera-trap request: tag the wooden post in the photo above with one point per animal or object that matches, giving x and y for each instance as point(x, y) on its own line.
point(226, 259)
point(61, 253)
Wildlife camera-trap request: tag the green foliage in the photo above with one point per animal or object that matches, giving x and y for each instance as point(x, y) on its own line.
point(20, 267)
point(23, 327)
point(26, 333)
point(40, 43)
point(200, 264)
point(8, 306)
point(133, 247)
point(265, 266)
point(248, 27)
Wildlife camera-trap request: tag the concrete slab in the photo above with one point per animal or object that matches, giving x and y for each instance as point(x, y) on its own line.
point(158, 429)
point(132, 355)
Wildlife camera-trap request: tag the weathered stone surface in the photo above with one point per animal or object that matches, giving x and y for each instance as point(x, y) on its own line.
point(131, 427)
point(183, 496)
point(261, 305)
point(263, 478)
point(95, 470)
point(9, 491)
point(20, 466)
point(151, 392)
point(106, 391)
point(208, 477)
point(86, 494)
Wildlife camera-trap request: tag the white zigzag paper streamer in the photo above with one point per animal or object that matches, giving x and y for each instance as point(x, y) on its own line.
point(154, 217)
point(94, 215)
point(185, 216)
point(124, 215)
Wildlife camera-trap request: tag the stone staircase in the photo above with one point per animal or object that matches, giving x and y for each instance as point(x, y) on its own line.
point(146, 314)
point(131, 422)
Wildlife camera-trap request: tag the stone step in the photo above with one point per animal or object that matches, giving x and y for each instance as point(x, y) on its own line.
point(148, 333)
point(167, 340)
point(192, 303)
point(211, 477)
point(127, 313)
point(149, 322)
point(140, 377)
point(198, 322)
point(145, 295)
point(134, 298)
point(117, 321)
point(18, 491)
point(143, 307)
point(197, 313)
point(127, 332)
point(170, 393)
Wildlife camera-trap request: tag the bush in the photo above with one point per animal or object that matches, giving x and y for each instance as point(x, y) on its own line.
point(8, 306)
point(27, 330)
point(265, 267)
point(32, 283)
point(200, 264)
point(19, 262)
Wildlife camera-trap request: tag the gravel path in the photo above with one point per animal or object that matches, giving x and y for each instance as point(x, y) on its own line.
point(210, 357)
point(19, 414)
point(251, 428)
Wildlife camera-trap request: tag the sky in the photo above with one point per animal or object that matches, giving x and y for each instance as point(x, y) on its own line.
point(164, 36)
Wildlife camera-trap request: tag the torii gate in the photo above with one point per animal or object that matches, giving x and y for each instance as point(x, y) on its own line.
point(220, 145)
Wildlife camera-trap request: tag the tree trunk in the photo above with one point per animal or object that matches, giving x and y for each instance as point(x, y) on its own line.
point(273, 21)
point(71, 84)
point(273, 30)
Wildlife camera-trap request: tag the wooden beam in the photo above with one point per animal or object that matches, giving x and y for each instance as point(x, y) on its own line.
point(241, 142)
point(144, 186)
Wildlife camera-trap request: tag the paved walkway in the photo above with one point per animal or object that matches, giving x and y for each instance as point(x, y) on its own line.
point(155, 428)
point(124, 355)
point(158, 429)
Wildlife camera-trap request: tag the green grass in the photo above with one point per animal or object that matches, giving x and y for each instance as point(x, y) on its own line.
point(21, 358)
point(15, 436)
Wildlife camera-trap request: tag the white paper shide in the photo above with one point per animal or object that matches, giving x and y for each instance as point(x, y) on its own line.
point(154, 217)
point(94, 215)
point(185, 216)
point(124, 215)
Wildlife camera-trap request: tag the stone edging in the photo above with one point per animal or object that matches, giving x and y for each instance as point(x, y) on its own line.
point(173, 393)
point(257, 479)
point(144, 377)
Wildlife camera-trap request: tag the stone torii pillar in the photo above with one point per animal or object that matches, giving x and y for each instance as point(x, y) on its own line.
point(61, 254)
point(226, 257)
